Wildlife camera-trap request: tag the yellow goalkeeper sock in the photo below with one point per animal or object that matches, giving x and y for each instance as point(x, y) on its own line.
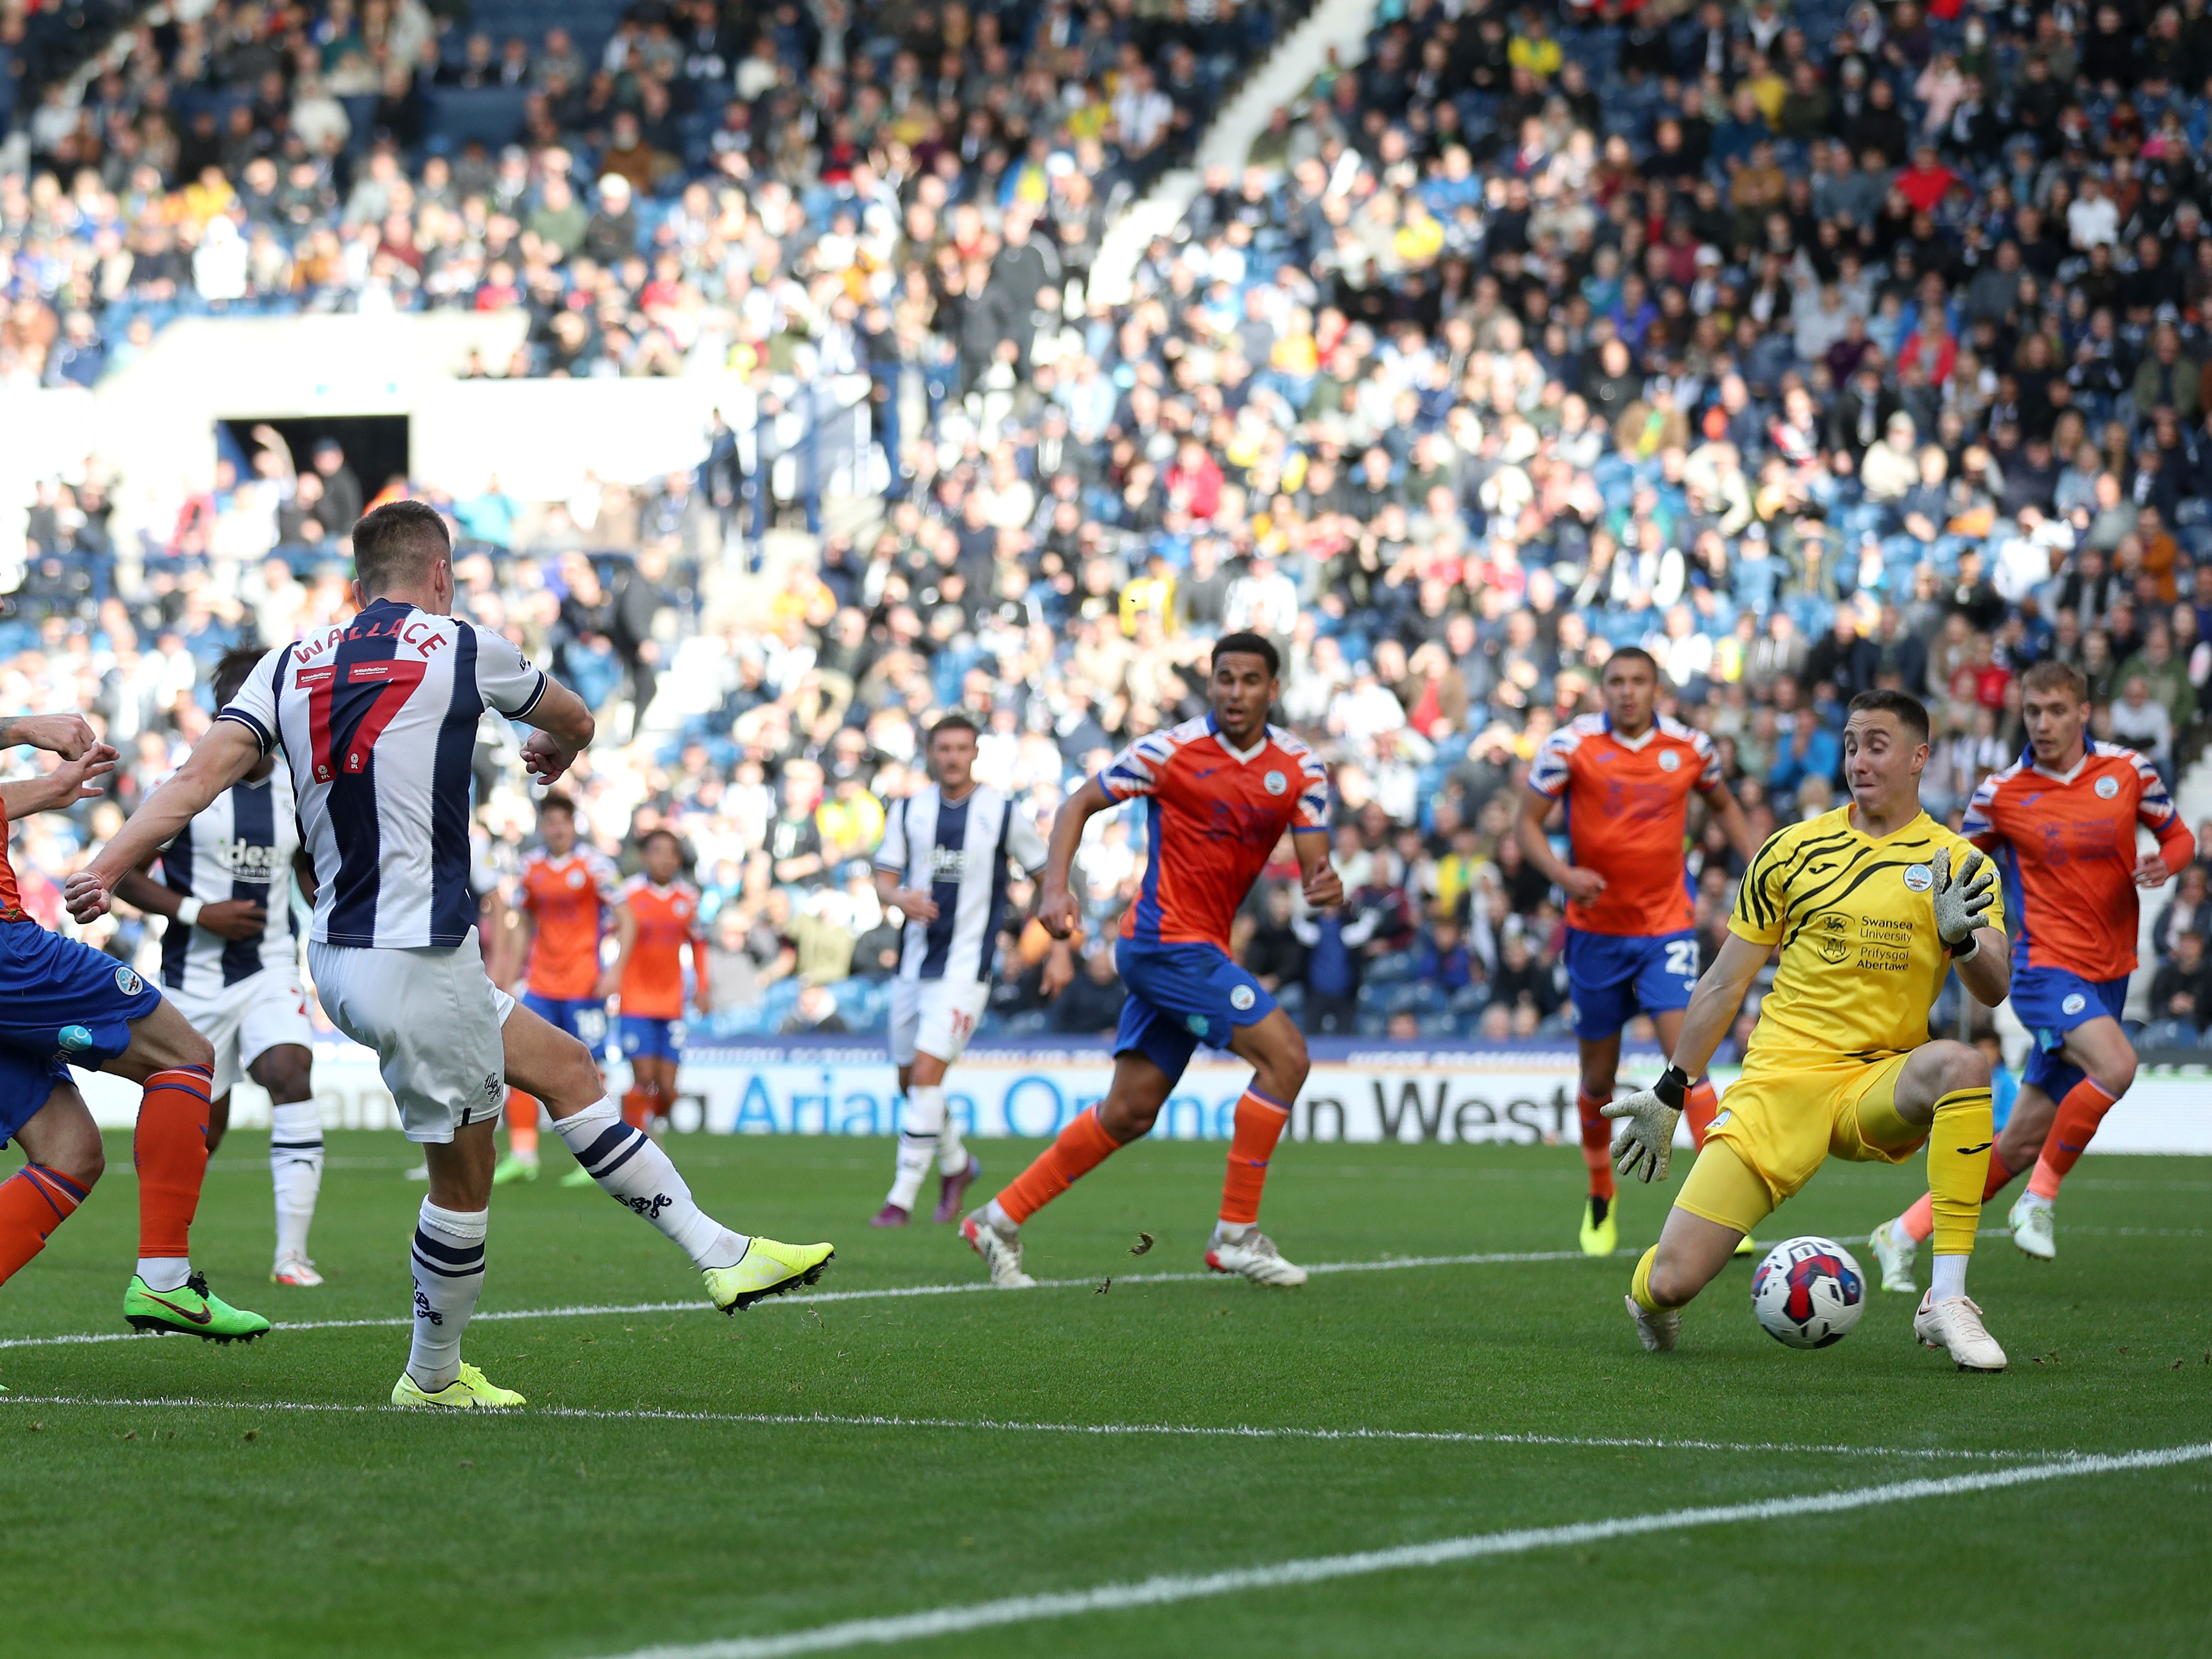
point(1640, 1285)
point(1958, 1165)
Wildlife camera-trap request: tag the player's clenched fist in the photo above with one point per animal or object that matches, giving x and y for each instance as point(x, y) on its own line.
point(86, 895)
point(1324, 888)
point(1056, 910)
point(67, 735)
point(1962, 904)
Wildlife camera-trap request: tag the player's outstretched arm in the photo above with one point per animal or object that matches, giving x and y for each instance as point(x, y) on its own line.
point(1962, 899)
point(232, 919)
point(1645, 1140)
point(1055, 904)
point(67, 735)
point(226, 754)
point(82, 778)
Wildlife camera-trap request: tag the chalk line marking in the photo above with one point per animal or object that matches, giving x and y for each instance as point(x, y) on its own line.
point(1104, 1431)
point(963, 1287)
point(1168, 1589)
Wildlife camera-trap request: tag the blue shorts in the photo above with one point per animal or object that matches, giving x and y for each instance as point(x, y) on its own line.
point(1181, 996)
point(650, 1039)
point(584, 1018)
point(1613, 977)
point(2051, 1002)
point(61, 1004)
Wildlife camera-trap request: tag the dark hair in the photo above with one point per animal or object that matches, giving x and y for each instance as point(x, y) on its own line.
point(657, 832)
point(555, 801)
point(396, 545)
point(2050, 675)
point(954, 723)
point(1910, 712)
point(1632, 653)
point(231, 669)
point(1248, 644)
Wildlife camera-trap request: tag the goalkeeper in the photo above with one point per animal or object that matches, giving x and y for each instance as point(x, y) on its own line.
point(1873, 905)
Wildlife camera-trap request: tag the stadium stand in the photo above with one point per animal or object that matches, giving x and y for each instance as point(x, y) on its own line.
point(1811, 348)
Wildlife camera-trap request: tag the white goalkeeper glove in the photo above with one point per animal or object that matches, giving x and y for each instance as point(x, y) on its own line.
point(1646, 1139)
point(1962, 904)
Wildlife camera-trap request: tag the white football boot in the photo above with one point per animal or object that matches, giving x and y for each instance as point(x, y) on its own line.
point(1002, 1252)
point(1955, 1325)
point(1658, 1332)
point(1253, 1256)
point(1894, 1249)
point(295, 1270)
point(2030, 1222)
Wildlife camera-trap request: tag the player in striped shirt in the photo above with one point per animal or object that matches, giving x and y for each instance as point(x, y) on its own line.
point(64, 1004)
point(656, 920)
point(1220, 792)
point(230, 960)
point(943, 866)
point(377, 717)
point(1623, 782)
point(2060, 822)
point(567, 894)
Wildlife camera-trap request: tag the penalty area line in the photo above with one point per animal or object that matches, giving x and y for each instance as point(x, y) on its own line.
point(891, 1292)
point(1010, 1426)
point(1167, 1590)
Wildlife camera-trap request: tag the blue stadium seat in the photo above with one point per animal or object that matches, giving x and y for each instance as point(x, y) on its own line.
point(489, 115)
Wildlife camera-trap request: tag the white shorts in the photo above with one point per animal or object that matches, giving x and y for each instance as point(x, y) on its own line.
point(245, 1021)
point(934, 1017)
point(434, 1018)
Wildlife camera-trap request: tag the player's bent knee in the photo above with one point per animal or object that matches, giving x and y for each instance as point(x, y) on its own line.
point(287, 1072)
point(2116, 1077)
point(1964, 1067)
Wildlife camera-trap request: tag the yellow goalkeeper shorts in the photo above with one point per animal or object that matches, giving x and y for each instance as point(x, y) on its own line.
point(1778, 1122)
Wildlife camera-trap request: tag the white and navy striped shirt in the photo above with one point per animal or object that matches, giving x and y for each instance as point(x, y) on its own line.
point(378, 719)
point(240, 848)
point(956, 853)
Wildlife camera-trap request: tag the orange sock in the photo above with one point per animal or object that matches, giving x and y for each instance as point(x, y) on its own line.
point(1919, 1221)
point(2079, 1115)
point(1083, 1146)
point(1701, 1106)
point(1260, 1121)
point(33, 1201)
point(171, 1153)
point(522, 1124)
point(1597, 1143)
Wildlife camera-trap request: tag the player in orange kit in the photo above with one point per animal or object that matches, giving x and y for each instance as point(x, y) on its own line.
point(567, 891)
point(1221, 793)
point(656, 915)
point(2060, 822)
point(1624, 779)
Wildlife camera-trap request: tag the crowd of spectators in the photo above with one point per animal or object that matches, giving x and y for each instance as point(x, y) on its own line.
point(1811, 349)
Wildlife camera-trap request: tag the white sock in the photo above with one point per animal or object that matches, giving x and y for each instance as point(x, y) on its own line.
point(999, 1221)
point(1231, 1232)
point(296, 1170)
point(448, 1260)
point(627, 1164)
point(165, 1273)
point(1949, 1278)
point(916, 1153)
point(952, 1151)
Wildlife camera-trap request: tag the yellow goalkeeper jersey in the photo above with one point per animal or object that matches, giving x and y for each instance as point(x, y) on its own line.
point(1855, 919)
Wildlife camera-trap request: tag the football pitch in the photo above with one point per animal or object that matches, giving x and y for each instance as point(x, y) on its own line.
point(1448, 1442)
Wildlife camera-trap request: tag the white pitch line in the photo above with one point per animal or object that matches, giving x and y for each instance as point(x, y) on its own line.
point(890, 1292)
point(1168, 1589)
point(1110, 1430)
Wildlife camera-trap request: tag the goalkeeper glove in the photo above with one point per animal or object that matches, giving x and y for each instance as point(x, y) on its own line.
point(1962, 904)
point(1646, 1118)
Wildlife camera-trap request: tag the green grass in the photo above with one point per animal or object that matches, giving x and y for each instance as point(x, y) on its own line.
point(182, 1529)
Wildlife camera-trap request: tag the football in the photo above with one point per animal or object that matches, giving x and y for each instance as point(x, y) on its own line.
point(1808, 1292)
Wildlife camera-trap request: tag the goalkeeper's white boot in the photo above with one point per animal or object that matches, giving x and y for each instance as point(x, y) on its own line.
point(1658, 1332)
point(1894, 1248)
point(2030, 1222)
point(1253, 1255)
point(1954, 1325)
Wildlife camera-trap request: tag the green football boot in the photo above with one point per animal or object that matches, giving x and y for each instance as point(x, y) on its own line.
point(192, 1309)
